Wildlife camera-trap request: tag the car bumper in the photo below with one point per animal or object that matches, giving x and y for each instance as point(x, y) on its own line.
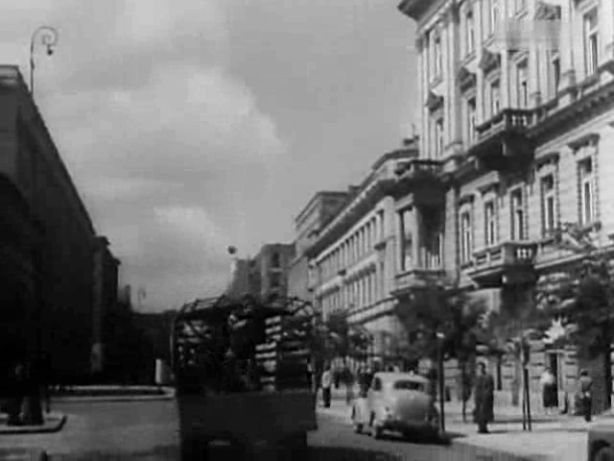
point(398, 425)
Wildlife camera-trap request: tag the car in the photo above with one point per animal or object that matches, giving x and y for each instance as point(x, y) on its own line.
point(398, 402)
point(601, 442)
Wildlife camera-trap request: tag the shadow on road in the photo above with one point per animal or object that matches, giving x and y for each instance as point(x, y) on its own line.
point(348, 454)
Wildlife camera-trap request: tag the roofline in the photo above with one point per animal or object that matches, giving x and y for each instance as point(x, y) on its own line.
point(312, 200)
point(12, 72)
point(414, 8)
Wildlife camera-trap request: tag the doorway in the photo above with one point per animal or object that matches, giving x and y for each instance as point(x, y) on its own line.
point(553, 364)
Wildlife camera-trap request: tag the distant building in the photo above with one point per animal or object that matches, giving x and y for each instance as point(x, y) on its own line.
point(318, 212)
point(270, 268)
point(47, 246)
point(354, 255)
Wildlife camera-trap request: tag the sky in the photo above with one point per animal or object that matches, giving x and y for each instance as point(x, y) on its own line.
point(192, 125)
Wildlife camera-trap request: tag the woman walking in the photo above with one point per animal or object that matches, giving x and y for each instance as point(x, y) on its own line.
point(549, 391)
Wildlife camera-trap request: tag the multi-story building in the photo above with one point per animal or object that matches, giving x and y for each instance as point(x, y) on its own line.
point(354, 256)
point(271, 266)
point(318, 212)
point(518, 113)
point(47, 245)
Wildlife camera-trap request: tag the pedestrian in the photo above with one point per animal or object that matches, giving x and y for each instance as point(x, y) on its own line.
point(484, 398)
point(586, 397)
point(349, 385)
point(18, 384)
point(327, 381)
point(549, 391)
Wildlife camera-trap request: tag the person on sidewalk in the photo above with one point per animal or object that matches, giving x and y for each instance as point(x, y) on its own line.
point(327, 382)
point(548, 385)
point(484, 398)
point(18, 388)
point(349, 385)
point(586, 385)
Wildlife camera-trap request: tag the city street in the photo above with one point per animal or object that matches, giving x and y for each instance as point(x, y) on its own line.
point(149, 429)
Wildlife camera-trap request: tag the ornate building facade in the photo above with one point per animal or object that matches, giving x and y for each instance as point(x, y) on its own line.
point(353, 257)
point(518, 112)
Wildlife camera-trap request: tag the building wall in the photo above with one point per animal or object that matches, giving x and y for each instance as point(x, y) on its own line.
point(273, 264)
point(30, 159)
point(460, 56)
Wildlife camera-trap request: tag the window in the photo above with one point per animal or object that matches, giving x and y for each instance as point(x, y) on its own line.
point(520, 5)
point(494, 16)
point(470, 33)
point(495, 98)
point(407, 385)
point(466, 240)
point(490, 222)
point(591, 42)
point(523, 85)
point(585, 172)
point(555, 73)
point(518, 215)
point(406, 242)
point(438, 56)
point(470, 107)
point(439, 137)
point(275, 280)
point(548, 204)
point(377, 384)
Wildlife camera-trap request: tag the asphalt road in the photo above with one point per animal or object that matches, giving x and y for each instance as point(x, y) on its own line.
point(149, 430)
point(333, 432)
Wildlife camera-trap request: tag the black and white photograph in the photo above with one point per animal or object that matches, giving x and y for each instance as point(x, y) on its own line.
point(300, 230)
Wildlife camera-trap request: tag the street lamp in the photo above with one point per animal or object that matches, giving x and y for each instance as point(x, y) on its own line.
point(48, 37)
point(440, 373)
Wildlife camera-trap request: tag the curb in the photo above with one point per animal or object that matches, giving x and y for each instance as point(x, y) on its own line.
point(45, 429)
point(134, 398)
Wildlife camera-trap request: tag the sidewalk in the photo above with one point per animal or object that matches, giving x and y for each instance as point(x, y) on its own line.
point(54, 422)
point(114, 394)
point(557, 437)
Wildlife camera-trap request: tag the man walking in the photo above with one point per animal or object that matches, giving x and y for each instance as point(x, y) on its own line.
point(327, 381)
point(484, 398)
point(586, 385)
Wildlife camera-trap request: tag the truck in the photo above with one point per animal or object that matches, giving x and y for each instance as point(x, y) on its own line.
point(243, 378)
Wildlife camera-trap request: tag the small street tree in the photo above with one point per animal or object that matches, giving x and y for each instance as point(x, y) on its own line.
point(582, 296)
point(451, 312)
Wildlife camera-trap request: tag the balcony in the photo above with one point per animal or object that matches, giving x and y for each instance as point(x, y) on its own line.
point(508, 263)
point(423, 179)
point(416, 278)
point(502, 141)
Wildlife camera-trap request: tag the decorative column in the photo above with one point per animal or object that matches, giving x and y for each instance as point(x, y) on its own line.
point(568, 74)
point(505, 67)
point(606, 30)
point(479, 93)
point(415, 238)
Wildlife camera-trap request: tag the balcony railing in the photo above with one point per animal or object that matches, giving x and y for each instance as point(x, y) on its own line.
point(418, 277)
point(508, 120)
point(418, 167)
point(493, 264)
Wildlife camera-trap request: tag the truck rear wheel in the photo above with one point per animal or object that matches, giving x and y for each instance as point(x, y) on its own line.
point(604, 454)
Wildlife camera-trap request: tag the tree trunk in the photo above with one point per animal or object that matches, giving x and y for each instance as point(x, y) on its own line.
point(463, 391)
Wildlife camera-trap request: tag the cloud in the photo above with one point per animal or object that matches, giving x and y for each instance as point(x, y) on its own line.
point(154, 127)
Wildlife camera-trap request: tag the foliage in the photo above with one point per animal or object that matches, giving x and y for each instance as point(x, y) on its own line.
point(581, 295)
point(449, 312)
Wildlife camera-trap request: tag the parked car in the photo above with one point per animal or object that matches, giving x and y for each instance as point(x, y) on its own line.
point(601, 442)
point(397, 402)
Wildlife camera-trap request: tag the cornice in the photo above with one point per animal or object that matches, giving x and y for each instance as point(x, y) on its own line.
point(466, 199)
point(491, 186)
point(549, 158)
point(590, 139)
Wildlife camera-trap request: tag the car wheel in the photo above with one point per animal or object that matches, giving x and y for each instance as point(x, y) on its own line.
point(376, 431)
point(605, 454)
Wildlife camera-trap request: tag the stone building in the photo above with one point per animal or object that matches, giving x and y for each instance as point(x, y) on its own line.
point(517, 114)
point(270, 268)
point(318, 212)
point(47, 243)
point(354, 256)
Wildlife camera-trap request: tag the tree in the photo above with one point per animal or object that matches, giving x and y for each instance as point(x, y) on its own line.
point(450, 312)
point(582, 296)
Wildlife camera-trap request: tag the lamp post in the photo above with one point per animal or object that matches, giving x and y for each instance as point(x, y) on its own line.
point(48, 37)
point(440, 373)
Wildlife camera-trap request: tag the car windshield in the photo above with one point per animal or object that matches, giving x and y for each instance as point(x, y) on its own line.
point(406, 385)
